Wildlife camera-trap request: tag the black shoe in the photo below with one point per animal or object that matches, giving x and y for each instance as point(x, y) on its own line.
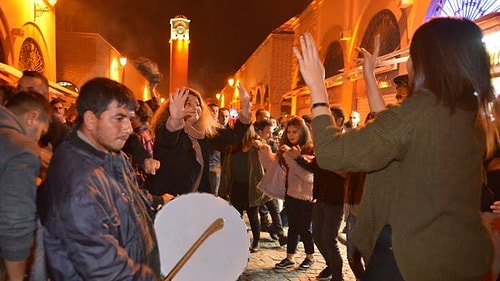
point(306, 264)
point(254, 248)
point(274, 235)
point(325, 274)
point(285, 263)
point(282, 240)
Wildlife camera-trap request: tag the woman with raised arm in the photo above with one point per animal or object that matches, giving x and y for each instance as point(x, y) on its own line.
point(419, 215)
point(183, 130)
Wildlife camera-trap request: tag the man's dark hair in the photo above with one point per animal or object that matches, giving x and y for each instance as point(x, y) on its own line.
point(36, 74)
point(261, 125)
point(143, 111)
point(260, 111)
point(6, 93)
point(25, 101)
point(337, 113)
point(39, 75)
point(401, 80)
point(56, 101)
point(97, 94)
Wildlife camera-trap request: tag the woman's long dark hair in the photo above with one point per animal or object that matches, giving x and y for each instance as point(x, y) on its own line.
point(305, 141)
point(448, 57)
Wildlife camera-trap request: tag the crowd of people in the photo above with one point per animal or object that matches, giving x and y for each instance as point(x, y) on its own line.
point(79, 192)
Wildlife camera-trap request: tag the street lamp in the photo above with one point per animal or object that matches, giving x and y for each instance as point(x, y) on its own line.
point(42, 6)
point(123, 63)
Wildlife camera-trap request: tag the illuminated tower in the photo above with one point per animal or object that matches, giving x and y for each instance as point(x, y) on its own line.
point(179, 52)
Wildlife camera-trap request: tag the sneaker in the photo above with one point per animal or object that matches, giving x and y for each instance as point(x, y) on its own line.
point(306, 264)
point(254, 248)
point(285, 263)
point(325, 274)
point(274, 235)
point(282, 240)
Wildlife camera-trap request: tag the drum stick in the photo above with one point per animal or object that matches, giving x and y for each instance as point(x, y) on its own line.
point(217, 225)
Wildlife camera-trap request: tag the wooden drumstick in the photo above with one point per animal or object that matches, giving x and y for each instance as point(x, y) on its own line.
point(217, 225)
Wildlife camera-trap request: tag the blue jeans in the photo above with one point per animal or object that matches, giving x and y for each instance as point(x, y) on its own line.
point(276, 225)
point(214, 179)
point(382, 264)
point(353, 255)
point(38, 267)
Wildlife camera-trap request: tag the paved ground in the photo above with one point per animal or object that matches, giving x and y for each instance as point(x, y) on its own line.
point(261, 264)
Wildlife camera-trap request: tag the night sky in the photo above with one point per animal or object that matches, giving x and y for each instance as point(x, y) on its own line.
point(223, 33)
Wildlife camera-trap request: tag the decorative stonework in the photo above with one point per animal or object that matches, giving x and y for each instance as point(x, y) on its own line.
point(30, 56)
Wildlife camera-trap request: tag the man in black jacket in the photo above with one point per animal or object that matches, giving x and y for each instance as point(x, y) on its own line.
point(96, 223)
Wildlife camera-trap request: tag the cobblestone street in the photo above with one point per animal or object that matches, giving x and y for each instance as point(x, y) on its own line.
point(261, 264)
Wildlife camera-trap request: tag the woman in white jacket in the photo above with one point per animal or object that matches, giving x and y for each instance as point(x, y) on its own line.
point(299, 184)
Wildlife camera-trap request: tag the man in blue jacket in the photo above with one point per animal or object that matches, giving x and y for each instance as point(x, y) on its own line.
point(96, 223)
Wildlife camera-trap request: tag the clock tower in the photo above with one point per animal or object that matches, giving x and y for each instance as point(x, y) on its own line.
point(179, 52)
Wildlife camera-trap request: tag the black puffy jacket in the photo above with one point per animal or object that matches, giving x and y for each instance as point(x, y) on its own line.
point(96, 226)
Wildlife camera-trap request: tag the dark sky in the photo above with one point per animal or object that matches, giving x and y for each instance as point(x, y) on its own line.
point(223, 33)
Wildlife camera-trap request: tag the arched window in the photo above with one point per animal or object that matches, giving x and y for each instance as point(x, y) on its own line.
point(266, 95)
point(385, 24)
point(30, 56)
point(258, 99)
point(334, 60)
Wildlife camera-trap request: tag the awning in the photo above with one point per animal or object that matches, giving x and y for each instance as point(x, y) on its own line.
point(11, 75)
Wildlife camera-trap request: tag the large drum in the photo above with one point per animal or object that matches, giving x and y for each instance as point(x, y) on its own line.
point(201, 237)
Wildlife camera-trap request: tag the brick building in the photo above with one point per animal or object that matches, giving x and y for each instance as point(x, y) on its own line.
point(339, 26)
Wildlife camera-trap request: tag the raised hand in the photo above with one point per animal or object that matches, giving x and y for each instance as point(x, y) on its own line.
point(311, 68)
point(370, 60)
point(375, 99)
point(177, 102)
point(246, 106)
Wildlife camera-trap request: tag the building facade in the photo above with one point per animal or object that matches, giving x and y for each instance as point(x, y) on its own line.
point(30, 40)
point(27, 40)
point(339, 26)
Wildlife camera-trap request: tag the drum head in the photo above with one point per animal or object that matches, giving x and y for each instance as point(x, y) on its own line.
point(222, 256)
